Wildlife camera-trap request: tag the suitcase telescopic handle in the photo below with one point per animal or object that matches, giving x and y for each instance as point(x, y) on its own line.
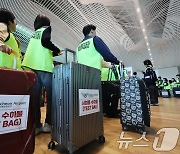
point(15, 59)
point(121, 68)
point(115, 71)
point(66, 50)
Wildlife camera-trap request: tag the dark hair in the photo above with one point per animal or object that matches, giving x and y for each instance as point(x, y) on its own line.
point(147, 62)
point(173, 79)
point(170, 81)
point(6, 16)
point(88, 28)
point(159, 77)
point(134, 73)
point(165, 79)
point(40, 21)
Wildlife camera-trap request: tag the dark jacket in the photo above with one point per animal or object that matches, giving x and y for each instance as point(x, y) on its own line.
point(46, 41)
point(103, 49)
point(150, 77)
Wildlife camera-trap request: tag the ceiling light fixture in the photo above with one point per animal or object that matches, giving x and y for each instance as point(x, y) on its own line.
point(143, 26)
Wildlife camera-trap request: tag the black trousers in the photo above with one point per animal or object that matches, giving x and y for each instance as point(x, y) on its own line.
point(153, 91)
point(160, 91)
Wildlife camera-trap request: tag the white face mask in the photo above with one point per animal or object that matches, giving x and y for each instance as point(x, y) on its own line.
point(92, 33)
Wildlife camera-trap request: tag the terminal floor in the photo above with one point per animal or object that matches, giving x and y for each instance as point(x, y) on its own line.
point(166, 115)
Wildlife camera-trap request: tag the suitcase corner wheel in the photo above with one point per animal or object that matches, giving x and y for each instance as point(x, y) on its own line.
point(101, 139)
point(51, 145)
point(139, 130)
point(125, 128)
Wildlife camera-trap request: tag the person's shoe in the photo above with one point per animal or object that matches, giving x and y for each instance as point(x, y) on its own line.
point(38, 130)
point(46, 128)
point(156, 104)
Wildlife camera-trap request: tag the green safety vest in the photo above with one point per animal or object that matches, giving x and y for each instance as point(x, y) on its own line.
point(177, 83)
point(172, 85)
point(113, 76)
point(8, 60)
point(107, 71)
point(88, 55)
point(111, 73)
point(38, 57)
point(160, 83)
point(157, 85)
point(108, 75)
point(104, 74)
point(167, 86)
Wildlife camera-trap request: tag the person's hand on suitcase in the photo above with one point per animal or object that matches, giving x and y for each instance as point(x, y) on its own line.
point(121, 63)
point(60, 53)
point(6, 49)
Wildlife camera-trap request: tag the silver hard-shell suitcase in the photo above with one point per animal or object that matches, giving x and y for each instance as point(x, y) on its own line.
point(70, 128)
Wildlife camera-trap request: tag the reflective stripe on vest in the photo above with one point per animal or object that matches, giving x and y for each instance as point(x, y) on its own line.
point(167, 86)
point(161, 84)
point(88, 55)
point(8, 60)
point(113, 78)
point(38, 57)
